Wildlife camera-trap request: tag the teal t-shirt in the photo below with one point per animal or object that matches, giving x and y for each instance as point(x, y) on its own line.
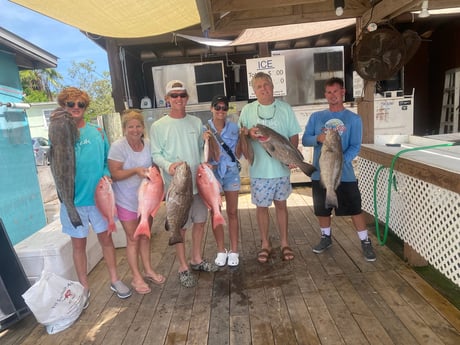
point(91, 150)
point(174, 140)
point(280, 117)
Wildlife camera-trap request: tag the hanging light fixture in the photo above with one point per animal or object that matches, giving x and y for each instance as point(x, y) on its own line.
point(339, 5)
point(424, 13)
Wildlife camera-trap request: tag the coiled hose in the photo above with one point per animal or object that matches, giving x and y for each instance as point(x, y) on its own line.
point(391, 181)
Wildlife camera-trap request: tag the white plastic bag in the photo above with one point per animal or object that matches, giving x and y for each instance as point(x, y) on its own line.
point(56, 302)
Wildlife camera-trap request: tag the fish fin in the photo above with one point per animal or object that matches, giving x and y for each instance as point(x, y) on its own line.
point(306, 168)
point(175, 238)
point(331, 199)
point(74, 216)
point(154, 212)
point(217, 219)
point(142, 229)
point(111, 228)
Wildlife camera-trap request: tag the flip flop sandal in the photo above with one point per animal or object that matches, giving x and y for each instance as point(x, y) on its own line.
point(287, 254)
point(150, 279)
point(263, 255)
point(141, 289)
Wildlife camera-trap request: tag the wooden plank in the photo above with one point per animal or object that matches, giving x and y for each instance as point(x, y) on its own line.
point(403, 311)
point(219, 332)
point(240, 330)
point(436, 300)
point(395, 329)
point(435, 321)
point(369, 325)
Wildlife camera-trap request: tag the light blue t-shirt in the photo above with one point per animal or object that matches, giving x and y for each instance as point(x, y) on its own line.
point(348, 124)
point(126, 190)
point(229, 135)
point(91, 151)
point(174, 140)
point(280, 117)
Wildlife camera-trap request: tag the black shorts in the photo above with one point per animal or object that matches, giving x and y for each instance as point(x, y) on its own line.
point(348, 197)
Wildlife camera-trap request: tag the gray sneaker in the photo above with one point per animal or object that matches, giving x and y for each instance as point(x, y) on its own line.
point(323, 244)
point(204, 266)
point(368, 251)
point(121, 289)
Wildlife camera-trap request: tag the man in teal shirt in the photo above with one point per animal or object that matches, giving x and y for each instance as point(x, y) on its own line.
point(270, 179)
point(91, 150)
point(176, 138)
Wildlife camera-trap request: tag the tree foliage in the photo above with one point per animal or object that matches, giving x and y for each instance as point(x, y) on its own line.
point(40, 85)
point(98, 86)
point(44, 85)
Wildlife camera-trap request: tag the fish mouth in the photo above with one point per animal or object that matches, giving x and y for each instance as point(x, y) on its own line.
point(263, 138)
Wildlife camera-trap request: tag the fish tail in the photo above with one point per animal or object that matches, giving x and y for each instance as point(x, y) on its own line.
point(112, 227)
point(74, 216)
point(217, 219)
point(175, 238)
point(307, 168)
point(142, 229)
point(331, 199)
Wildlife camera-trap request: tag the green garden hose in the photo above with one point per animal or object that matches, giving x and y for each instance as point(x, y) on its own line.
point(392, 180)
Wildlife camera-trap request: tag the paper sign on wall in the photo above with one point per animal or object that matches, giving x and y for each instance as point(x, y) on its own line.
point(274, 66)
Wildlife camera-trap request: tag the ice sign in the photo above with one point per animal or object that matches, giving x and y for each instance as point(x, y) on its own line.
point(274, 66)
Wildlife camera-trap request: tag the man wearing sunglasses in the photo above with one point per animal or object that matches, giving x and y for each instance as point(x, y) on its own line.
point(177, 138)
point(270, 179)
point(91, 151)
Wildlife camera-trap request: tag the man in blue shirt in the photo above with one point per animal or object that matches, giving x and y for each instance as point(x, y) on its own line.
point(349, 126)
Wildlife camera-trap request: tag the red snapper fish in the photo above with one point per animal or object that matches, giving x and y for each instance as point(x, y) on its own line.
point(209, 190)
point(105, 202)
point(150, 195)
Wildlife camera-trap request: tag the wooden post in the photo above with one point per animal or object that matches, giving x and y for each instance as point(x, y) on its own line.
point(366, 103)
point(116, 75)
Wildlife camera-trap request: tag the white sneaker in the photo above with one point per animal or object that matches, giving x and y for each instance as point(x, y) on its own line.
point(233, 259)
point(221, 259)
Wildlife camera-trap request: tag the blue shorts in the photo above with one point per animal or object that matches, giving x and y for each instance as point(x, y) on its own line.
point(198, 212)
point(88, 214)
point(231, 181)
point(265, 190)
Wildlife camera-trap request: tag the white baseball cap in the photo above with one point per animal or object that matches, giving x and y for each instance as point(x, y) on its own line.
point(175, 85)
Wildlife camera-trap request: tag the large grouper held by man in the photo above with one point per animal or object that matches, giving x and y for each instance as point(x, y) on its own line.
point(330, 166)
point(63, 134)
point(280, 148)
point(178, 202)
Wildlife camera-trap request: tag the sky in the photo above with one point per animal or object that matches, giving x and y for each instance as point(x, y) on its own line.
point(62, 40)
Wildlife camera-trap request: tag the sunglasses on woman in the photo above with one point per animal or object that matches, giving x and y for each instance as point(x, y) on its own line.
point(175, 95)
point(81, 105)
point(220, 107)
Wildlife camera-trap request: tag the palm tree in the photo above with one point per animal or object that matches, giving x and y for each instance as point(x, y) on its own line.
point(38, 84)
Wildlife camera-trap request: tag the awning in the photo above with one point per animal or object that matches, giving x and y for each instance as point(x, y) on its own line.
point(290, 32)
point(275, 33)
point(120, 19)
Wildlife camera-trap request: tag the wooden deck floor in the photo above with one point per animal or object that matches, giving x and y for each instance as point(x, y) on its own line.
point(332, 298)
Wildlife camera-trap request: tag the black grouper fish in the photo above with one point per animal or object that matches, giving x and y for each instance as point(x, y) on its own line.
point(63, 134)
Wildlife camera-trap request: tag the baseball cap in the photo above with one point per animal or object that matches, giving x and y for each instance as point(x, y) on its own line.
point(219, 98)
point(175, 85)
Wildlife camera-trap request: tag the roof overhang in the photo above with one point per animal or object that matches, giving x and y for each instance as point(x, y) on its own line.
point(28, 55)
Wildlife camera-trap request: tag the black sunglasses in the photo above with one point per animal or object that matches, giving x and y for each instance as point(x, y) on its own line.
point(175, 95)
point(220, 107)
point(81, 105)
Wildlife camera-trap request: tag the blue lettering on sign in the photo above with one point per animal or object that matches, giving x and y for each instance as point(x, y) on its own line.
point(264, 65)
